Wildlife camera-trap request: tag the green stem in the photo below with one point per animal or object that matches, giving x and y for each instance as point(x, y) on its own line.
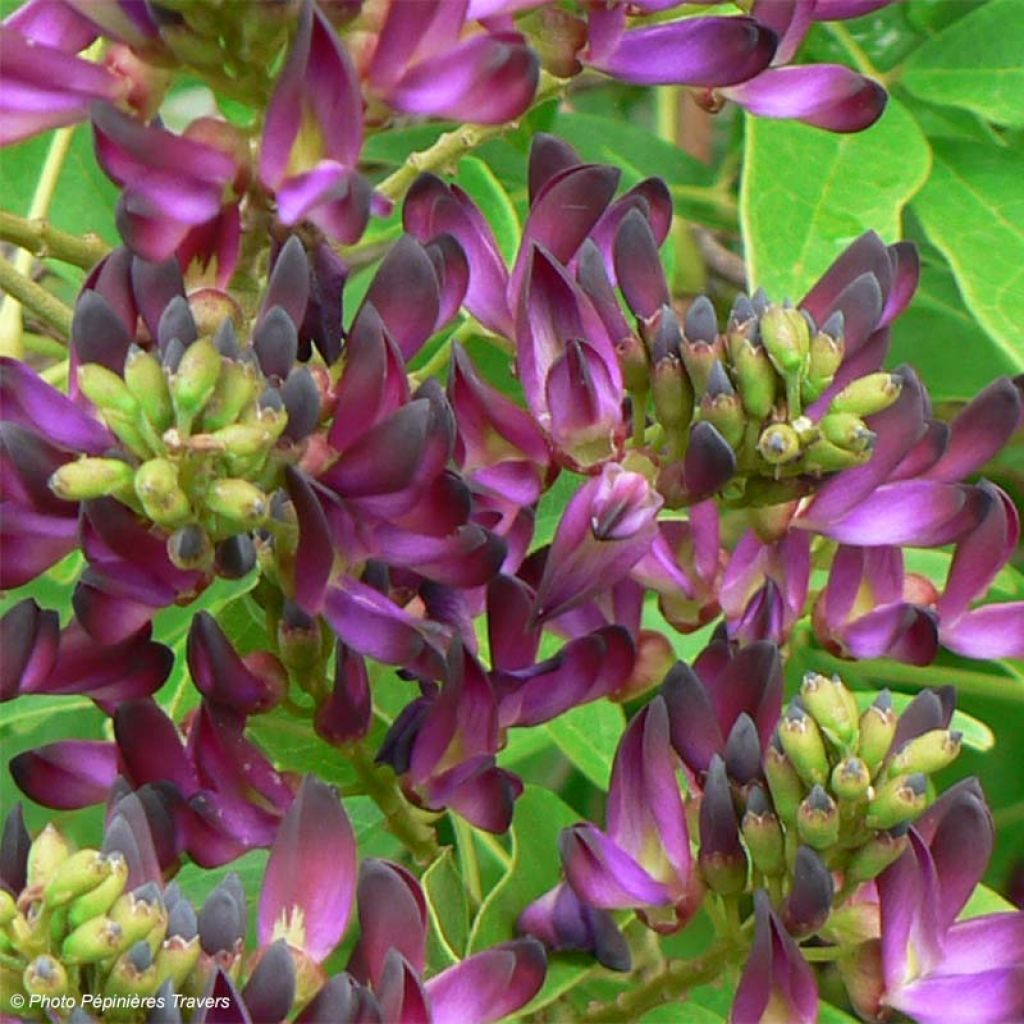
point(454, 144)
point(32, 296)
point(40, 238)
point(468, 860)
point(403, 822)
point(667, 112)
point(823, 954)
point(669, 984)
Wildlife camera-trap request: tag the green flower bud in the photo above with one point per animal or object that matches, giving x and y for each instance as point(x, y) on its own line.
point(134, 973)
point(299, 639)
point(802, 741)
point(826, 355)
point(817, 820)
point(847, 431)
point(106, 390)
point(145, 380)
point(877, 729)
point(238, 501)
point(868, 395)
point(45, 976)
point(763, 834)
point(722, 408)
point(755, 378)
point(826, 457)
point(99, 900)
point(779, 444)
point(138, 913)
point(898, 800)
point(78, 874)
point(190, 548)
point(91, 478)
point(8, 908)
point(244, 439)
point(850, 779)
point(97, 939)
point(238, 384)
point(930, 752)
point(48, 851)
point(699, 358)
point(881, 850)
point(785, 784)
point(130, 433)
point(176, 959)
point(672, 393)
point(156, 485)
point(832, 706)
point(787, 339)
point(632, 356)
point(193, 382)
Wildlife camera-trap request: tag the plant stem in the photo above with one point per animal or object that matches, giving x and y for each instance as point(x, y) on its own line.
point(24, 291)
point(402, 819)
point(860, 60)
point(40, 238)
point(677, 978)
point(454, 144)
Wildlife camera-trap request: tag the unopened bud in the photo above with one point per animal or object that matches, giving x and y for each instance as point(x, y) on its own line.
point(145, 379)
point(868, 395)
point(826, 457)
point(898, 800)
point(743, 751)
point(237, 386)
point(91, 478)
point(78, 874)
point(763, 834)
point(817, 820)
point(802, 741)
point(245, 439)
point(672, 393)
point(928, 753)
point(850, 779)
point(106, 390)
point(235, 557)
point(176, 958)
point(702, 346)
point(847, 431)
point(787, 338)
point(134, 973)
point(97, 939)
point(238, 501)
point(785, 784)
point(190, 548)
point(156, 485)
point(721, 406)
point(138, 913)
point(755, 377)
point(48, 851)
point(832, 705)
point(45, 976)
point(723, 861)
point(810, 897)
point(8, 908)
point(193, 382)
point(632, 357)
point(779, 444)
point(877, 729)
point(826, 356)
point(98, 901)
point(881, 850)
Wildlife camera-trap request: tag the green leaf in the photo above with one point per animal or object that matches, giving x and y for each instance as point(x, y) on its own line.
point(552, 505)
point(588, 736)
point(985, 901)
point(977, 735)
point(807, 194)
point(976, 63)
point(293, 746)
point(484, 188)
point(448, 912)
point(973, 211)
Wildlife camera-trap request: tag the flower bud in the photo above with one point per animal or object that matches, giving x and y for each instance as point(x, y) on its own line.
point(97, 939)
point(832, 706)
point(817, 820)
point(743, 751)
point(235, 557)
point(190, 548)
point(99, 900)
point(928, 753)
point(156, 486)
point(826, 356)
point(48, 851)
point(134, 973)
point(8, 908)
point(632, 356)
point(877, 729)
point(702, 346)
point(246, 439)
point(672, 393)
point(810, 897)
point(144, 377)
point(723, 861)
point(193, 382)
point(898, 800)
point(881, 850)
point(106, 390)
point(91, 478)
point(850, 779)
point(787, 339)
point(45, 976)
point(139, 912)
point(78, 874)
point(779, 444)
point(721, 406)
point(763, 834)
point(802, 741)
point(825, 457)
point(784, 782)
point(176, 959)
point(847, 431)
point(755, 377)
point(868, 395)
point(238, 384)
point(237, 501)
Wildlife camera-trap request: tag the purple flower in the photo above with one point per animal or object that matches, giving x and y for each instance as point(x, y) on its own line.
point(777, 983)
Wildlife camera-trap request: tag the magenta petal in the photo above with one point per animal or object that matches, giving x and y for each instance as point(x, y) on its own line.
point(490, 985)
point(28, 648)
point(400, 992)
point(151, 747)
point(68, 774)
point(31, 542)
point(310, 877)
point(901, 631)
point(52, 23)
point(994, 631)
point(604, 875)
point(825, 95)
point(983, 997)
point(314, 558)
point(698, 51)
point(992, 941)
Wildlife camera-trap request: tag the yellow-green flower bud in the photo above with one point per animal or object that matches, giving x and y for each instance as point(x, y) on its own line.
point(78, 874)
point(176, 959)
point(826, 457)
point(98, 901)
point(787, 338)
point(632, 356)
point(763, 834)
point(45, 976)
point(877, 729)
point(817, 820)
point(134, 973)
point(755, 377)
point(832, 706)
point(91, 478)
point(847, 431)
point(245, 439)
point(139, 913)
point(802, 741)
point(193, 382)
point(190, 548)
point(785, 784)
point(8, 908)
point(238, 384)
point(672, 393)
point(868, 395)
point(238, 501)
point(779, 444)
point(156, 485)
point(721, 406)
point(130, 433)
point(850, 779)
point(826, 356)
point(145, 379)
point(106, 390)
point(97, 939)
point(881, 850)
point(48, 851)
point(930, 752)
point(898, 800)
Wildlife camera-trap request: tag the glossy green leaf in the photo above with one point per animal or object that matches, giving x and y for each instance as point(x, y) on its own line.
point(484, 188)
point(985, 901)
point(552, 505)
point(973, 211)
point(976, 63)
point(807, 194)
point(447, 910)
point(588, 736)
